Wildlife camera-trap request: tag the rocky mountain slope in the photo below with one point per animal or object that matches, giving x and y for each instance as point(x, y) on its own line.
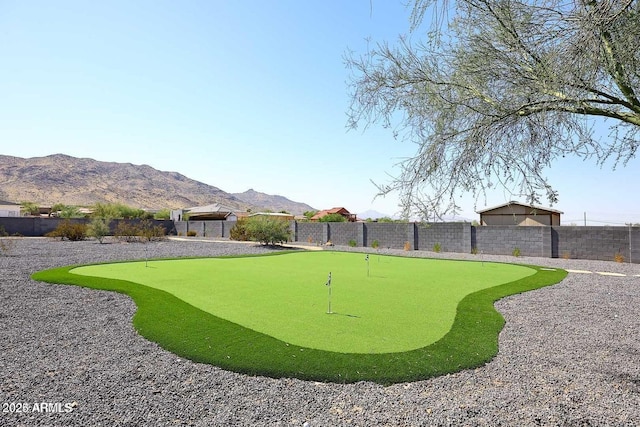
point(64, 179)
point(273, 203)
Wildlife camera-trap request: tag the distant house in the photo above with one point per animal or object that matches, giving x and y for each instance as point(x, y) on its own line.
point(341, 211)
point(209, 212)
point(279, 215)
point(516, 213)
point(8, 209)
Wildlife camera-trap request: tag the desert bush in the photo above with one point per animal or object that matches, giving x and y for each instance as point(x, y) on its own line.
point(618, 257)
point(120, 211)
point(474, 250)
point(127, 232)
point(66, 211)
point(5, 246)
point(375, 244)
point(239, 231)
point(162, 214)
point(143, 231)
point(192, 233)
point(268, 231)
point(437, 247)
point(407, 246)
point(149, 232)
point(98, 229)
point(353, 243)
point(69, 230)
point(333, 217)
point(516, 252)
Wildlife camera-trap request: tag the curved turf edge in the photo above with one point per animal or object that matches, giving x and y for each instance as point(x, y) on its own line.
point(199, 336)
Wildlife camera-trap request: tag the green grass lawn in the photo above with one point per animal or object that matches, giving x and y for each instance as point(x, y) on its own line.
point(395, 319)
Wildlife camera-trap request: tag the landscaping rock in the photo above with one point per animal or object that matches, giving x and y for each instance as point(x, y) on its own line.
point(569, 355)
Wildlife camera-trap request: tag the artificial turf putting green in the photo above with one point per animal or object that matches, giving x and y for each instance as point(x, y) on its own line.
point(402, 303)
point(400, 320)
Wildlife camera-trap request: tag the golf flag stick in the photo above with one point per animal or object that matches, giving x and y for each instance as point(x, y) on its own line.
point(328, 284)
point(367, 259)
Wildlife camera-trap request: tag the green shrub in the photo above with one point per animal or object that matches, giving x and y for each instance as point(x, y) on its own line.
point(68, 230)
point(516, 252)
point(375, 244)
point(474, 250)
point(268, 231)
point(239, 231)
point(334, 217)
point(437, 247)
point(99, 229)
point(150, 232)
point(192, 233)
point(143, 231)
point(119, 211)
point(353, 243)
point(127, 232)
point(162, 214)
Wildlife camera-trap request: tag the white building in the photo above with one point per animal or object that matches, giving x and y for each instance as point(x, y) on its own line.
point(9, 209)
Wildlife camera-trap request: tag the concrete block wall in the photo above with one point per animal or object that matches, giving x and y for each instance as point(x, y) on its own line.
point(32, 227)
point(214, 229)
point(452, 236)
point(601, 243)
point(36, 227)
point(504, 239)
point(315, 233)
point(389, 235)
point(342, 233)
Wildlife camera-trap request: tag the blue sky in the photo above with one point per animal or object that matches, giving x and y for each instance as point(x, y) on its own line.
point(236, 94)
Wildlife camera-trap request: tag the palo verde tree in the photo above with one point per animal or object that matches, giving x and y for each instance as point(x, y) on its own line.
point(496, 90)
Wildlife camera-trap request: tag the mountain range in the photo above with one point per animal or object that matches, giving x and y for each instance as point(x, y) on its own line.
point(60, 178)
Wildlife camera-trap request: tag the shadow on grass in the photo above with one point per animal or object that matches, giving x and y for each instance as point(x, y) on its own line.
point(199, 336)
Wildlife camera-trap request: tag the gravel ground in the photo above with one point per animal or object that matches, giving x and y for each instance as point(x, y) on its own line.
point(569, 356)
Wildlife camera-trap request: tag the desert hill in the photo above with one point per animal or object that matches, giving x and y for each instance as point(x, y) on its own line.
point(59, 178)
point(273, 203)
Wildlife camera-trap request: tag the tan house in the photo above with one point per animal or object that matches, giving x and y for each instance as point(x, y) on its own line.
point(276, 215)
point(341, 211)
point(516, 213)
point(8, 209)
point(214, 211)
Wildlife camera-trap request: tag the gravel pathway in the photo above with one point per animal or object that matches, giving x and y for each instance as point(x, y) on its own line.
point(569, 356)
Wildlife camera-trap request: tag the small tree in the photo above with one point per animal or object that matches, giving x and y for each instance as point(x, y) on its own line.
point(333, 217)
point(309, 214)
point(72, 231)
point(99, 229)
point(239, 231)
point(268, 231)
point(66, 211)
point(162, 214)
point(30, 208)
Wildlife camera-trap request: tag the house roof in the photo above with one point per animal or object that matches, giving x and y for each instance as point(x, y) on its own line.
point(5, 203)
point(274, 214)
point(526, 205)
point(215, 207)
point(338, 210)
